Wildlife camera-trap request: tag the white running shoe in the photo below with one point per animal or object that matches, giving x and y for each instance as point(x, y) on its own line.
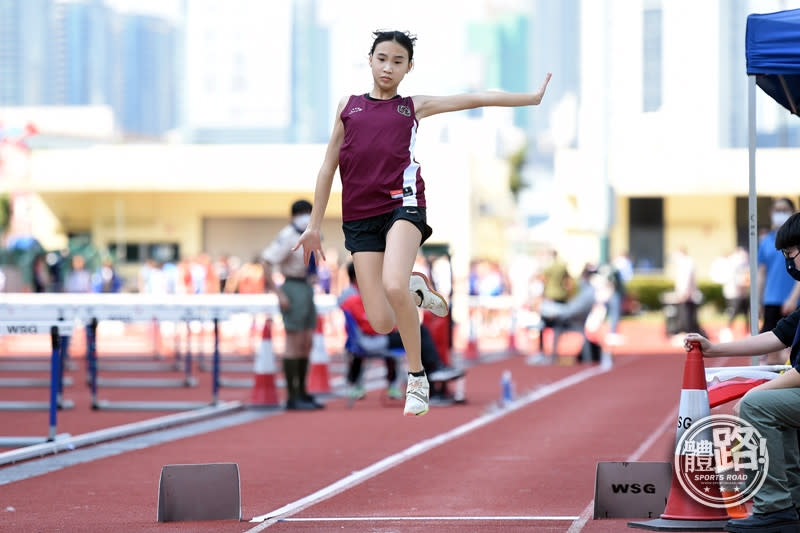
point(430, 299)
point(416, 396)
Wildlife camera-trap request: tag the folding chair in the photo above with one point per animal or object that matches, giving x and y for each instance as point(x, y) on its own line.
point(359, 344)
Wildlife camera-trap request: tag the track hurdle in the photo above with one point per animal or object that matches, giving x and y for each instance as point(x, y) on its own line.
point(237, 363)
point(94, 366)
point(58, 330)
point(62, 329)
point(127, 313)
point(91, 308)
point(166, 312)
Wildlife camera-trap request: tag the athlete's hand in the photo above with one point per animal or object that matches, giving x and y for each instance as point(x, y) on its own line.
point(311, 241)
point(538, 95)
point(692, 338)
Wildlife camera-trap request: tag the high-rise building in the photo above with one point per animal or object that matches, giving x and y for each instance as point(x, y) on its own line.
point(80, 52)
point(77, 53)
point(25, 41)
point(145, 96)
point(238, 69)
point(555, 46)
point(310, 75)
point(256, 72)
point(662, 123)
point(502, 44)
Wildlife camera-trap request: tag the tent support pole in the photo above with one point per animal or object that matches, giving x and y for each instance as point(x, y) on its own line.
point(752, 207)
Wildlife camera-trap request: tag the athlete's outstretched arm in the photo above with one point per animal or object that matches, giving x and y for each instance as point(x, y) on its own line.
point(311, 240)
point(425, 106)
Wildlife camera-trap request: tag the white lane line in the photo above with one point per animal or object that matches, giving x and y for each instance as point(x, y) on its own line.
point(431, 519)
point(419, 448)
point(669, 422)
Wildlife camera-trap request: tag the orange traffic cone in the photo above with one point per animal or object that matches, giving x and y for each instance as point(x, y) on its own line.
point(318, 381)
point(512, 334)
point(683, 512)
point(265, 393)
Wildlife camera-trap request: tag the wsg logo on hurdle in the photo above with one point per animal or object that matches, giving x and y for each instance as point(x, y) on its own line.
point(34, 327)
point(20, 329)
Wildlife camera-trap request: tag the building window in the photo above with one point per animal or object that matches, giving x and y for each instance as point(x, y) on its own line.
point(652, 59)
point(646, 233)
point(138, 252)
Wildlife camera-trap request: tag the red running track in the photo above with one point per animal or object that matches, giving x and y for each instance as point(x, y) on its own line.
point(535, 461)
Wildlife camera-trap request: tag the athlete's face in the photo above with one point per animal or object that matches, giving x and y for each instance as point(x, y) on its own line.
point(389, 63)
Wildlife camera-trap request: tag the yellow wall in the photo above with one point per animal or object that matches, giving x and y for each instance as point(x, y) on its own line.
point(703, 224)
point(618, 234)
point(173, 217)
point(492, 209)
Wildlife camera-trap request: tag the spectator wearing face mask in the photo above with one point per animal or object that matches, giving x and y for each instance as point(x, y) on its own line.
point(777, 291)
point(296, 300)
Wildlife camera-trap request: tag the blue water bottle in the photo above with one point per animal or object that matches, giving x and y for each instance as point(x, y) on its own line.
point(506, 388)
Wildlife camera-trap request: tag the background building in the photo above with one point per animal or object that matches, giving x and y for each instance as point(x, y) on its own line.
point(195, 123)
point(661, 132)
point(83, 53)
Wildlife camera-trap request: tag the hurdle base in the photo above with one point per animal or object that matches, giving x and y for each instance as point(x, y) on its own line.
point(139, 366)
point(665, 524)
point(107, 405)
point(147, 383)
point(19, 364)
point(240, 383)
point(22, 441)
point(34, 406)
point(31, 382)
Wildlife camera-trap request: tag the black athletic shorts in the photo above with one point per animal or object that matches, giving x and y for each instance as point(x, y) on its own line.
point(369, 234)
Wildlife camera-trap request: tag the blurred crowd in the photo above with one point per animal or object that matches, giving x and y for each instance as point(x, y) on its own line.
point(546, 292)
point(203, 274)
point(529, 281)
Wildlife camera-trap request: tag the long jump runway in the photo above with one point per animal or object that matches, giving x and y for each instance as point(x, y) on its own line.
point(477, 467)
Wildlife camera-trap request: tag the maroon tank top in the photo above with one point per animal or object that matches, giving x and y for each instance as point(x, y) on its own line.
point(376, 159)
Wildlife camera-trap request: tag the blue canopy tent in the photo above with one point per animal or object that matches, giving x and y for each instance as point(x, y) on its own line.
point(772, 48)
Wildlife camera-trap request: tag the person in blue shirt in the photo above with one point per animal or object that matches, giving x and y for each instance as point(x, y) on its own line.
point(778, 292)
